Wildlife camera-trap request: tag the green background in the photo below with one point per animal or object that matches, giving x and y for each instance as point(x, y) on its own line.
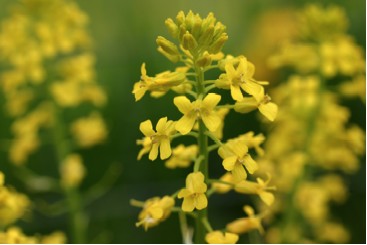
point(124, 34)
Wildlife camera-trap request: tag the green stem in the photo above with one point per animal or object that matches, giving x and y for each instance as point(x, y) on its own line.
point(77, 217)
point(186, 236)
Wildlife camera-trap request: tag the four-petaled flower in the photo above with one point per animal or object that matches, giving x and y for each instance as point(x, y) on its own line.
point(240, 77)
point(199, 109)
point(155, 211)
point(235, 156)
point(219, 237)
point(194, 193)
point(159, 139)
point(243, 225)
point(260, 188)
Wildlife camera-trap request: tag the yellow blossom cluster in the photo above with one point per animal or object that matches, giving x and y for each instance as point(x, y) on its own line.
point(14, 206)
point(200, 41)
point(47, 79)
point(48, 63)
point(313, 139)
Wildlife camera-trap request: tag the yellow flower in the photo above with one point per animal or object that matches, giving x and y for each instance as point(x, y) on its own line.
point(155, 211)
point(243, 225)
point(13, 205)
point(160, 138)
point(146, 142)
point(182, 156)
point(235, 157)
point(253, 141)
point(260, 188)
point(261, 101)
point(199, 109)
point(242, 77)
point(162, 82)
point(219, 237)
point(72, 170)
point(194, 193)
point(89, 131)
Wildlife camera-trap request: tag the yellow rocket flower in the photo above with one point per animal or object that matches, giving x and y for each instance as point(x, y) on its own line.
point(155, 211)
point(162, 82)
point(72, 170)
point(243, 225)
point(235, 158)
point(260, 188)
point(182, 156)
point(242, 77)
point(89, 131)
point(13, 205)
point(261, 101)
point(199, 109)
point(194, 193)
point(219, 237)
point(159, 138)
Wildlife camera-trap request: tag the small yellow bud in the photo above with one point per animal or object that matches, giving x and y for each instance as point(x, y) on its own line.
point(247, 104)
point(172, 27)
point(204, 60)
point(168, 49)
point(207, 35)
point(189, 42)
point(218, 44)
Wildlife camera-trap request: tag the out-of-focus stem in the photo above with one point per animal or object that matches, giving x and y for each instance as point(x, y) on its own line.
point(78, 219)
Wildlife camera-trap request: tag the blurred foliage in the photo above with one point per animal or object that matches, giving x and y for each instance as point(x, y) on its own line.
point(124, 34)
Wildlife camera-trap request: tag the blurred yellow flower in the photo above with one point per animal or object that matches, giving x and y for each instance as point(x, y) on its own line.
point(72, 171)
point(89, 131)
point(182, 156)
point(243, 225)
point(219, 237)
point(155, 211)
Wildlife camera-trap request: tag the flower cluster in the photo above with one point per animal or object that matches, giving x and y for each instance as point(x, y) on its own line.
point(312, 139)
point(50, 91)
point(49, 67)
point(200, 41)
point(13, 206)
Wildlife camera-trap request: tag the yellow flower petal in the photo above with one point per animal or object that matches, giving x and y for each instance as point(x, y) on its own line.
point(165, 149)
point(161, 124)
point(211, 100)
point(188, 204)
point(229, 162)
point(250, 164)
point(184, 193)
point(183, 104)
point(269, 110)
point(201, 201)
point(211, 121)
point(236, 93)
point(156, 212)
point(267, 197)
point(238, 172)
point(185, 124)
point(218, 237)
point(195, 182)
point(146, 128)
point(153, 152)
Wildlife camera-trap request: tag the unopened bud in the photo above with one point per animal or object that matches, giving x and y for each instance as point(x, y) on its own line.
point(167, 46)
point(246, 105)
point(172, 27)
point(218, 44)
point(204, 60)
point(189, 42)
point(207, 35)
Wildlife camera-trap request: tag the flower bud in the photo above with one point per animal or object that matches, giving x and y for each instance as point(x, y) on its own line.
point(189, 42)
point(168, 49)
point(218, 44)
point(172, 27)
point(204, 60)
